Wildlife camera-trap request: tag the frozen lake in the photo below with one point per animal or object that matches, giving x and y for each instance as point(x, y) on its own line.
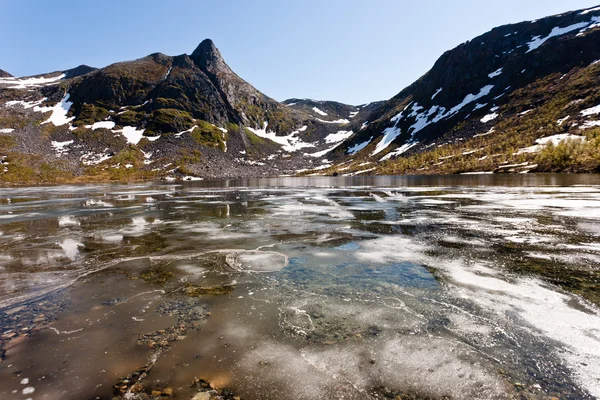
point(468, 287)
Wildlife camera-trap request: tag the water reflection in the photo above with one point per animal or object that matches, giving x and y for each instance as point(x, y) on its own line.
point(314, 287)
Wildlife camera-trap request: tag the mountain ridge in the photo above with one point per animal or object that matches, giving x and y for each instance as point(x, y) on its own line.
point(190, 115)
point(162, 116)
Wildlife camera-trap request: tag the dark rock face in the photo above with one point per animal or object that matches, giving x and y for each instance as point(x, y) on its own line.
point(202, 85)
point(4, 74)
point(485, 71)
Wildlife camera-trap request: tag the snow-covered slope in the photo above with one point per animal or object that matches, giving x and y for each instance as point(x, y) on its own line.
point(472, 88)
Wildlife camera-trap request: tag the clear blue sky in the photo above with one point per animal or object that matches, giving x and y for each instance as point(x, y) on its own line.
point(347, 50)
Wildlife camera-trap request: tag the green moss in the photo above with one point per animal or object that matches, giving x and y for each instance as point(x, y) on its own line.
point(91, 113)
point(168, 120)
point(254, 140)
point(232, 128)
point(129, 118)
point(162, 102)
point(32, 169)
point(208, 135)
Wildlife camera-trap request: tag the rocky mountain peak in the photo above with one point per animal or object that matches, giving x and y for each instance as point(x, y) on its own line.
point(4, 74)
point(208, 57)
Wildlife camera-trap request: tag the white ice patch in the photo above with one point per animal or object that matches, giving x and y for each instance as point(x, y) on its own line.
point(545, 309)
point(353, 114)
point(67, 220)
point(289, 143)
point(28, 390)
point(562, 120)
point(59, 112)
point(320, 112)
point(131, 134)
point(101, 125)
point(358, 147)
point(537, 41)
point(25, 83)
point(61, 148)
point(71, 248)
point(496, 73)
point(6, 130)
point(338, 136)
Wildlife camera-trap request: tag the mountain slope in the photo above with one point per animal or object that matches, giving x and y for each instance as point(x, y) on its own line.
point(503, 80)
point(4, 74)
point(159, 116)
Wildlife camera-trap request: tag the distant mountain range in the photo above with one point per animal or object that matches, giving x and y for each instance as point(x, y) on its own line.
point(491, 104)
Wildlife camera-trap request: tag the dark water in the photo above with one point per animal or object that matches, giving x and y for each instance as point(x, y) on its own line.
point(471, 287)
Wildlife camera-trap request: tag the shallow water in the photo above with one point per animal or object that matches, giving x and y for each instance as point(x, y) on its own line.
point(470, 287)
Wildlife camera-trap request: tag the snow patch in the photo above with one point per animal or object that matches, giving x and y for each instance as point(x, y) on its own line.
point(24, 83)
point(537, 41)
point(358, 147)
point(338, 137)
point(91, 158)
point(489, 118)
point(496, 73)
point(400, 150)
point(59, 112)
point(61, 148)
point(554, 139)
point(289, 143)
point(591, 111)
point(590, 124)
point(337, 121)
point(320, 112)
point(436, 93)
point(101, 125)
point(131, 134)
point(6, 130)
point(589, 10)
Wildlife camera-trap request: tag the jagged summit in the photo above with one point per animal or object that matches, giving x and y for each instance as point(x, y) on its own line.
point(208, 57)
point(4, 74)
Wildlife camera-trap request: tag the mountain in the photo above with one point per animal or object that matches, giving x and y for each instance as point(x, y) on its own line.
point(156, 117)
point(491, 102)
point(520, 98)
point(4, 74)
